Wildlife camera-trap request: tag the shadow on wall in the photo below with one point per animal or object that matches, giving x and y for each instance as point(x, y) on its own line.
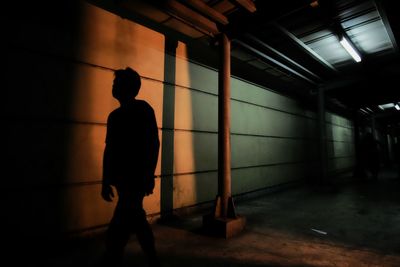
point(168, 122)
point(36, 109)
point(202, 124)
point(180, 151)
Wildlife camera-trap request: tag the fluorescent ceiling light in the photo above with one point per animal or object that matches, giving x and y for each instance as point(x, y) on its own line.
point(385, 106)
point(397, 106)
point(350, 49)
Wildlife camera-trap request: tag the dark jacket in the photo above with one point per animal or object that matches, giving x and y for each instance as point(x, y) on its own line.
point(132, 145)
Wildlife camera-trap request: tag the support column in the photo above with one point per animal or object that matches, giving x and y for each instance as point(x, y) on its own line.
point(224, 125)
point(357, 142)
point(322, 137)
point(224, 221)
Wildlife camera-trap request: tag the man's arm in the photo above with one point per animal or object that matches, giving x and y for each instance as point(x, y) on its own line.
point(154, 147)
point(106, 189)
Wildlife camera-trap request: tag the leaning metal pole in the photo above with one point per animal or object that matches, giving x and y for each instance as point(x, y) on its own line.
point(224, 221)
point(322, 137)
point(224, 125)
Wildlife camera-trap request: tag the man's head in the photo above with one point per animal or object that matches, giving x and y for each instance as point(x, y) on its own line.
point(126, 84)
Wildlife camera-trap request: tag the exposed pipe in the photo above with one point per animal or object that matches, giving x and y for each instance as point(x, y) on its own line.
point(274, 61)
point(281, 55)
point(304, 47)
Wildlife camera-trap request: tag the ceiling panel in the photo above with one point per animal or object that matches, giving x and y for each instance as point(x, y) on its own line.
point(330, 49)
point(370, 38)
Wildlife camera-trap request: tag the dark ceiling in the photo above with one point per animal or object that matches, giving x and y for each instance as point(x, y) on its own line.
point(294, 44)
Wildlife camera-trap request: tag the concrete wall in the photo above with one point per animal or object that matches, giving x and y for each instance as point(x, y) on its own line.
point(340, 143)
point(58, 96)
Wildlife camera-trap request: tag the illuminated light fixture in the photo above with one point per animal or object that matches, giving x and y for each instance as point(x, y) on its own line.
point(397, 106)
point(350, 49)
point(385, 106)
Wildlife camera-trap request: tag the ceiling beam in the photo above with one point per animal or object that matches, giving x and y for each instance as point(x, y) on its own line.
point(208, 11)
point(180, 11)
point(246, 4)
point(385, 20)
point(281, 55)
point(304, 47)
point(274, 61)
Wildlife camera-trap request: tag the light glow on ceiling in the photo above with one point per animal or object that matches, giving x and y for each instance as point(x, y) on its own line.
point(350, 49)
point(364, 111)
point(390, 105)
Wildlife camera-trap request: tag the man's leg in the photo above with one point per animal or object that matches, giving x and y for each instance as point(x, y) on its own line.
point(118, 232)
point(144, 234)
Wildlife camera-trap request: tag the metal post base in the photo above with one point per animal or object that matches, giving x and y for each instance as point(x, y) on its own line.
point(223, 226)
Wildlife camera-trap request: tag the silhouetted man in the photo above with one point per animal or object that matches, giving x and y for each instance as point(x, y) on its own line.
point(129, 162)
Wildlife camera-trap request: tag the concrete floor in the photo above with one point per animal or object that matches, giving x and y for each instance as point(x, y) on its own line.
point(355, 224)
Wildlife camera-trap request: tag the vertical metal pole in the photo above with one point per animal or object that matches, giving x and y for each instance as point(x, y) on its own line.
point(356, 138)
point(322, 134)
point(224, 221)
point(224, 117)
